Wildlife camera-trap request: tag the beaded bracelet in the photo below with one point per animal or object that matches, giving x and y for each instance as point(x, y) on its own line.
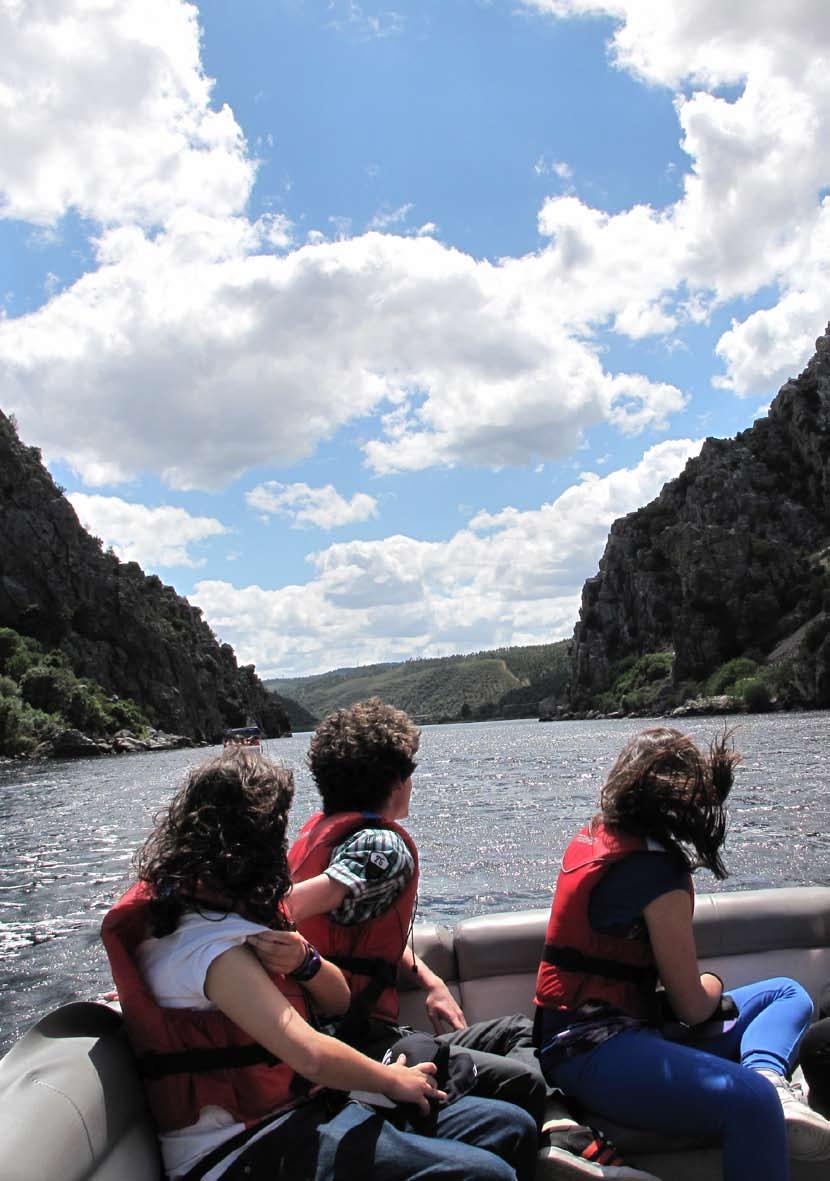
point(309, 967)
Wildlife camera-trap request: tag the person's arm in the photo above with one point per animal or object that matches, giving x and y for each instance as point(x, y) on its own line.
point(322, 894)
point(441, 1006)
point(286, 953)
point(318, 895)
point(237, 984)
point(694, 997)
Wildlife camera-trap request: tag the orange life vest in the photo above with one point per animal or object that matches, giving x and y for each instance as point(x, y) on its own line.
point(367, 953)
point(580, 964)
point(190, 1058)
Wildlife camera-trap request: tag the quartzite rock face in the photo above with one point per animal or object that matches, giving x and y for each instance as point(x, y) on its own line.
point(133, 635)
point(730, 559)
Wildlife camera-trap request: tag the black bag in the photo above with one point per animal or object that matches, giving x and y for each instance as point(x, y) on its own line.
point(456, 1074)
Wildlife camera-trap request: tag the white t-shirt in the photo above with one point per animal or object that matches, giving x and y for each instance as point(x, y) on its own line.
point(175, 968)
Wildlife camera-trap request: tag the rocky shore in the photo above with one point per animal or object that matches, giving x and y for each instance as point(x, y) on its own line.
point(72, 744)
point(695, 707)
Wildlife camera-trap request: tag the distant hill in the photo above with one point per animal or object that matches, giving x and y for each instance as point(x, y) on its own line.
point(506, 682)
point(298, 716)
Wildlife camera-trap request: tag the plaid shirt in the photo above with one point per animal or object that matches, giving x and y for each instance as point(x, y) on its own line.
point(374, 864)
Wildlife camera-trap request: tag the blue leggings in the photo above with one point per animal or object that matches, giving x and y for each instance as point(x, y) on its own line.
point(640, 1079)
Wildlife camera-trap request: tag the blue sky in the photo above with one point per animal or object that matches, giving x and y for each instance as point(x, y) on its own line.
point(359, 324)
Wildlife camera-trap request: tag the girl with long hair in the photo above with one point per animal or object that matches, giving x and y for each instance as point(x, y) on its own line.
point(239, 1080)
point(626, 1022)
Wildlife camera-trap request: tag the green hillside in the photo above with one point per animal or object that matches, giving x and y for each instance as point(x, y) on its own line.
point(507, 682)
point(299, 718)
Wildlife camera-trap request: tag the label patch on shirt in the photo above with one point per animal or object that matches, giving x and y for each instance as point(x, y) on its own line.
point(377, 865)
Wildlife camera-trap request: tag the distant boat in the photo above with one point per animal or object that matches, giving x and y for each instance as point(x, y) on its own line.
point(243, 736)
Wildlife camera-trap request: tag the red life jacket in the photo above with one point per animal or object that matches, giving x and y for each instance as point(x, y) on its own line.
point(580, 964)
point(190, 1058)
point(367, 953)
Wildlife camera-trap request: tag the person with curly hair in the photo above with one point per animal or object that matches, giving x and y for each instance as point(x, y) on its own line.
point(355, 870)
point(685, 1058)
point(241, 1081)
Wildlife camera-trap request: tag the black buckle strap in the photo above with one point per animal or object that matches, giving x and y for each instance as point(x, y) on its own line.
point(381, 970)
point(155, 1066)
point(570, 959)
point(382, 975)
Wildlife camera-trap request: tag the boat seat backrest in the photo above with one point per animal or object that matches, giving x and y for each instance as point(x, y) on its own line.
point(72, 1106)
point(490, 961)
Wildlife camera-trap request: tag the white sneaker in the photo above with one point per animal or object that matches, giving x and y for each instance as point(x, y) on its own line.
point(571, 1150)
point(808, 1133)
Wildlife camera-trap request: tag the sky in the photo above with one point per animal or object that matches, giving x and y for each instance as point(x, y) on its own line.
point(360, 323)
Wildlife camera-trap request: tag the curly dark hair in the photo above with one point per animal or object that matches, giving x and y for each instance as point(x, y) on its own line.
point(358, 754)
point(662, 786)
point(221, 843)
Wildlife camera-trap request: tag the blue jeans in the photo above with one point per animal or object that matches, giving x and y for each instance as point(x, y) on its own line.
point(476, 1140)
point(708, 1089)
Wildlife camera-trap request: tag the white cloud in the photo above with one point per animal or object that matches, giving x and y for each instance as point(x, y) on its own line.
point(349, 16)
point(461, 360)
point(153, 537)
point(773, 345)
point(544, 166)
point(106, 109)
point(383, 219)
point(749, 216)
point(509, 577)
point(323, 507)
point(705, 41)
point(146, 348)
point(277, 230)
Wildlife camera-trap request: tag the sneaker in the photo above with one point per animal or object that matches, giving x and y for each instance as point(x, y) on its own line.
point(808, 1133)
point(569, 1149)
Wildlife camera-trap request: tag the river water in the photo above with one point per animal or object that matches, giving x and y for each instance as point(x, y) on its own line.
point(493, 806)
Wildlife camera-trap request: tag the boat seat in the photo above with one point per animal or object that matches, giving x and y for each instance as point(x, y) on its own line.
point(741, 935)
point(72, 1105)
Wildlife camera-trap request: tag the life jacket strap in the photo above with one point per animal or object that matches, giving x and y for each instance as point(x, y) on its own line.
point(380, 970)
point(382, 975)
point(570, 959)
point(154, 1065)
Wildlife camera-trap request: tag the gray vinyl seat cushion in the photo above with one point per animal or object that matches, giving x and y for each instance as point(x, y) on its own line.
point(72, 1104)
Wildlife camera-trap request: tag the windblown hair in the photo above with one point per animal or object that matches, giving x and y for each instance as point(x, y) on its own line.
point(221, 844)
point(358, 754)
point(662, 786)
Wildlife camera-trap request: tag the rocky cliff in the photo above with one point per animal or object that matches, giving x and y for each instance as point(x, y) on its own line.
point(126, 630)
point(730, 560)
